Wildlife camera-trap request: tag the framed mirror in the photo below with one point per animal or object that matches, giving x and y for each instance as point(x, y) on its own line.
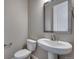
point(58, 16)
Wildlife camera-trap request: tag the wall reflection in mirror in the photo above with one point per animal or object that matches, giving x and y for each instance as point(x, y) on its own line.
point(58, 16)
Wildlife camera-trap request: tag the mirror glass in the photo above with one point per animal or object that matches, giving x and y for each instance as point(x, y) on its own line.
point(57, 16)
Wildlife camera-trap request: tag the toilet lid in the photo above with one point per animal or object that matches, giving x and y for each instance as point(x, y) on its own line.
point(22, 53)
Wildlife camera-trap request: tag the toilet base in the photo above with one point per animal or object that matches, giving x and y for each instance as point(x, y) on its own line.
point(28, 58)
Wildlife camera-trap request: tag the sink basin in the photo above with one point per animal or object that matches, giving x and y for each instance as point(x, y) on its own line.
point(55, 47)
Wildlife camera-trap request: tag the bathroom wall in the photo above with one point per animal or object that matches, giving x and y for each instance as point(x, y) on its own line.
point(15, 25)
point(35, 16)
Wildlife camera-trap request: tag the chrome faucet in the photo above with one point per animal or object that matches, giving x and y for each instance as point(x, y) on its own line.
point(53, 37)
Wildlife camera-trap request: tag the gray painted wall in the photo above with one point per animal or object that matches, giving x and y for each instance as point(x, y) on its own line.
point(16, 25)
point(35, 16)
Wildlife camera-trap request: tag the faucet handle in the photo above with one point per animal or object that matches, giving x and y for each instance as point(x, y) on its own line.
point(53, 37)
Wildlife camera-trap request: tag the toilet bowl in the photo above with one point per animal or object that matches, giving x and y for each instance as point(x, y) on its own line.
point(25, 53)
point(22, 54)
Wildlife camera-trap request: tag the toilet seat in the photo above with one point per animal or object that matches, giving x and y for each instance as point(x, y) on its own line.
point(22, 54)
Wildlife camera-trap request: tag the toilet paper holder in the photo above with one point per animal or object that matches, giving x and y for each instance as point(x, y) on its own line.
point(7, 45)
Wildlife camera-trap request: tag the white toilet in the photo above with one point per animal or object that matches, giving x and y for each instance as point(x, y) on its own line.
point(25, 53)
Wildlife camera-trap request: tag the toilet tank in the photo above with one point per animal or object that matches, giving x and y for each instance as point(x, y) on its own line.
point(31, 44)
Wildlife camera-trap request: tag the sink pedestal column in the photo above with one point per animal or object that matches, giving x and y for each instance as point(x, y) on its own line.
point(52, 56)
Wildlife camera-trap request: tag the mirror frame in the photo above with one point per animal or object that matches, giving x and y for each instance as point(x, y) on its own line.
point(70, 10)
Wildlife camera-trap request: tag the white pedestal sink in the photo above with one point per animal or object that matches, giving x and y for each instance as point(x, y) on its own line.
point(54, 47)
